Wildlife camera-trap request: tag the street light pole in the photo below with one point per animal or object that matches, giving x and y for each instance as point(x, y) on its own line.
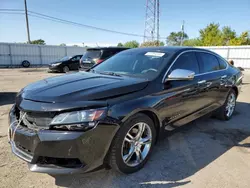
point(27, 21)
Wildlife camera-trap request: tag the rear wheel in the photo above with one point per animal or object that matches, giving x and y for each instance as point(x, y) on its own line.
point(25, 64)
point(133, 144)
point(65, 69)
point(227, 110)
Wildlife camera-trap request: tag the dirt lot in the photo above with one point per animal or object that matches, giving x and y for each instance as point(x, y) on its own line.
point(205, 153)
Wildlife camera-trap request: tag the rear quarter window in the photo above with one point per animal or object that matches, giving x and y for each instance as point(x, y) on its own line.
point(223, 63)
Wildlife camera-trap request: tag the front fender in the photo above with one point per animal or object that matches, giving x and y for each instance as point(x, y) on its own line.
point(125, 110)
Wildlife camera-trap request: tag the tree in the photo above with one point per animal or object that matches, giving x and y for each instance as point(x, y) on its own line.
point(211, 35)
point(131, 44)
point(227, 35)
point(75, 45)
point(162, 43)
point(62, 44)
point(174, 39)
point(192, 42)
point(152, 43)
point(120, 44)
point(243, 39)
point(39, 41)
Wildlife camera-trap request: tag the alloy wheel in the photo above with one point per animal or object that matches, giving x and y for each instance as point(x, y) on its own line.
point(231, 102)
point(65, 69)
point(136, 144)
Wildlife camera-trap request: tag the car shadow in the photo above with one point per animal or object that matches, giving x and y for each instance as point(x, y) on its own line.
point(7, 98)
point(33, 70)
point(245, 83)
point(55, 72)
point(177, 157)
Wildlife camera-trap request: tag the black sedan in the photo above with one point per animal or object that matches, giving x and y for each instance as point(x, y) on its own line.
point(65, 64)
point(113, 115)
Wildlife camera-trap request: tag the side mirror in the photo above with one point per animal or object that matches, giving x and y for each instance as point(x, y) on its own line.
point(181, 74)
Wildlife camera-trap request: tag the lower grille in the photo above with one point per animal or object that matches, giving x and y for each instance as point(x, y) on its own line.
point(24, 149)
point(61, 162)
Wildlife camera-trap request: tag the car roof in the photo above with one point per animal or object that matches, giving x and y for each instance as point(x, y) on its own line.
point(169, 49)
point(108, 48)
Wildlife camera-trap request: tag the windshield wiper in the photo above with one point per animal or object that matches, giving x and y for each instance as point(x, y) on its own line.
point(110, 73)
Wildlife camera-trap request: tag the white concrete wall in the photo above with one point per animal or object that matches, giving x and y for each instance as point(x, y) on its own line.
point(12, 54)
point(239, 54)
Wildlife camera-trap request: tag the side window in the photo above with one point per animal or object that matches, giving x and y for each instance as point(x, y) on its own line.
point(77, 58)
point(222, 63)
point(208, 62)
point(187, 61)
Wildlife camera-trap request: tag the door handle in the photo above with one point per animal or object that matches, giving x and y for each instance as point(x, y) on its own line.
point(202, 82)
point(223, 77)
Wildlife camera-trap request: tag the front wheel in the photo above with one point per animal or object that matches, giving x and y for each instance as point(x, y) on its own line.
point(133, 144)
point(227, 110)
point(66, 69)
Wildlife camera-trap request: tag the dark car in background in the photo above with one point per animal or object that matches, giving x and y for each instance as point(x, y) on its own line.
point(65, 64)
point(113, 114)
point(94, 56)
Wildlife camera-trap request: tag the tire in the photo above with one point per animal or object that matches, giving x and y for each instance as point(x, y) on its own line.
point(222, 113)
point(65, 69)
point(116, 160)
point(25, 64)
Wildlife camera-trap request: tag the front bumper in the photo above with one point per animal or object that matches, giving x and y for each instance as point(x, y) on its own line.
point(61, 152)
point(55, 68)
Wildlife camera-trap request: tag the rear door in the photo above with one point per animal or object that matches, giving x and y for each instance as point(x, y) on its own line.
point(209, 79)
point(224, 77)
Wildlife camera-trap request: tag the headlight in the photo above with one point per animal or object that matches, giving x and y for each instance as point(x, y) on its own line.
point(78, 120)
point(55, 64)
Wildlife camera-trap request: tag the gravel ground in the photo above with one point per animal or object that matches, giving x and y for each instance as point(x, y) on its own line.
point(205, 153)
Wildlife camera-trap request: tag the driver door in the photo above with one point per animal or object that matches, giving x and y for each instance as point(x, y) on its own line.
point(182, 96)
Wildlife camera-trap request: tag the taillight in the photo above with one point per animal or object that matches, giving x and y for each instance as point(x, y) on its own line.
point(99, 61)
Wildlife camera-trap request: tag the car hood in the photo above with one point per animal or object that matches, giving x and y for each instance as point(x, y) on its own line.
point(58, 62)
point(81, 86)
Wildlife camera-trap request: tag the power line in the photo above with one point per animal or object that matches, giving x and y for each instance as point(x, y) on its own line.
point(20, 13)
point(84, 25)
point(9, 9)
point(55, 19)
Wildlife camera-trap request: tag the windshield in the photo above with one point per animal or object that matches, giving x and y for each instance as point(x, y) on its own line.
point(91, 54)
point(66, 58)
point(143, 64)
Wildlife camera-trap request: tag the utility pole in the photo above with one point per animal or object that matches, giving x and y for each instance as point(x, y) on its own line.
point(158, 22)
point(27, 21)
point(182, 29)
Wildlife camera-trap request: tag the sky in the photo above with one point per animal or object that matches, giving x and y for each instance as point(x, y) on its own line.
point(120, 15)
